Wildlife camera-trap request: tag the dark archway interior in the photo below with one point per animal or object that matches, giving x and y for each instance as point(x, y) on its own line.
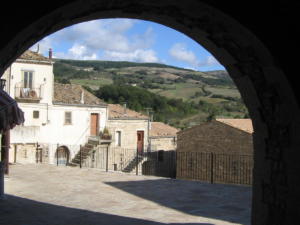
point(252, 40)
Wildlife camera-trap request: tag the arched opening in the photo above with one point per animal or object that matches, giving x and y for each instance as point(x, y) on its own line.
point(62, 156)
point(262, 84)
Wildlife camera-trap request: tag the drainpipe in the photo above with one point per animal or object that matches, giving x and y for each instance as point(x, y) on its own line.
point(9, 80)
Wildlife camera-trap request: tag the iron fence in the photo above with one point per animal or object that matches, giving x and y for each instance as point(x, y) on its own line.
point(215, 167)
point(202, 166)
point(157, 163)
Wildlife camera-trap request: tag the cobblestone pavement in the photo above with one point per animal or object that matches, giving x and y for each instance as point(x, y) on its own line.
point(50, 195)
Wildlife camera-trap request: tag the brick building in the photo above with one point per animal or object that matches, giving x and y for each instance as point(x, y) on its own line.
point(216, 151)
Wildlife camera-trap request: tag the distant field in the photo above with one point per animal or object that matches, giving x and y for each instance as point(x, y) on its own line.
point(224, 91)
point(209, 100)
point(94, 84)
point(179, 90)
point(187, 90)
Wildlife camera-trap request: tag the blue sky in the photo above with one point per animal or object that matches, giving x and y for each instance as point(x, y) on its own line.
point(128, 40)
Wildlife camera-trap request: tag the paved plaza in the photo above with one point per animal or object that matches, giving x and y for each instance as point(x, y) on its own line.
point(50, 195)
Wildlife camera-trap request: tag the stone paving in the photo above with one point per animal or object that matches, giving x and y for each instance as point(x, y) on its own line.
point(50, 195)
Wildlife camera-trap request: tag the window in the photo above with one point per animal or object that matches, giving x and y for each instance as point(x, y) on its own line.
point(28, 79)
point(118, 138)
point(36, 114)
point(68, 118)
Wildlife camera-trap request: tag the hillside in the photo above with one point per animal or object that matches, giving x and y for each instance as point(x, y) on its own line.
point(213, 88)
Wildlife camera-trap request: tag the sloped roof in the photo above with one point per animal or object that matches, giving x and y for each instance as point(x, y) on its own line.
point(241, 124)
point(159, 129)
point(119, 112)
point(74, 94)
point(33, 56)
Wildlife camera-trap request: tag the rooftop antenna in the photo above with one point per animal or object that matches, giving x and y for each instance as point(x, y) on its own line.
point(149, 111)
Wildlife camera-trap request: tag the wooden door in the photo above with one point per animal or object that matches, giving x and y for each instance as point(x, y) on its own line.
point(94, 124)
point(140, 141)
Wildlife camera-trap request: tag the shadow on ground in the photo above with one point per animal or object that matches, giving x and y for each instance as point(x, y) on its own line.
point(20, 211)
point(231, 203)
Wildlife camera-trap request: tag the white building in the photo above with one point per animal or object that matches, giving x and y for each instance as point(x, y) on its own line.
point(55, 115)
point(59, 118)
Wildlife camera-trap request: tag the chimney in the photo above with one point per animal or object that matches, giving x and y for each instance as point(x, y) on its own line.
point(125, 108)
point(50, 53)
point(82, 97)
point(38, 48)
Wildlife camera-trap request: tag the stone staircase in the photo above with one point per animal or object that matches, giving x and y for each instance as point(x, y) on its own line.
point(131, 166)
point(85, 151)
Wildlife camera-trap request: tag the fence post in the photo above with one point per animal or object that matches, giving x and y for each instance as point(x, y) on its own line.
point(137, 162)
point(107, 158)
point(80, 155)
point(211, 168)
point(36, 153)
point(57, 154)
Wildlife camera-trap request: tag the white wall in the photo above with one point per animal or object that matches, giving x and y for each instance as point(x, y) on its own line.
point(77, 132)
point(42, 77)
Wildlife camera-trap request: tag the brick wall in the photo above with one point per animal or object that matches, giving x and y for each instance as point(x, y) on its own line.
point(215, 152)
point(214, 137)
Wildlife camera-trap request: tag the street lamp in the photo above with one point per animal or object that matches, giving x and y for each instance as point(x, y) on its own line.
point(2, 83)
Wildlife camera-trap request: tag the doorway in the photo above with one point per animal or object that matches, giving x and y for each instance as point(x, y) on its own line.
point(94, 124)
point(62, 155)
point(140, 142)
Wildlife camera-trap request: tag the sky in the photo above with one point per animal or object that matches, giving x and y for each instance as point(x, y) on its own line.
point(128, 40)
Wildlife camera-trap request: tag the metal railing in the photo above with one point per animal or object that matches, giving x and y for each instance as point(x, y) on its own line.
point(28, 93)
point(215, 167)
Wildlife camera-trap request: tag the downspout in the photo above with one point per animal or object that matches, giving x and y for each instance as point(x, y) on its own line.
point(9, 80)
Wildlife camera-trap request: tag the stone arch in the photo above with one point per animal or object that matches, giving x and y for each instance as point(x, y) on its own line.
point(62, 155)
point(261, 83)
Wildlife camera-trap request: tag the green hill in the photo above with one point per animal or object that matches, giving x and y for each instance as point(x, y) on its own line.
point(214, 91)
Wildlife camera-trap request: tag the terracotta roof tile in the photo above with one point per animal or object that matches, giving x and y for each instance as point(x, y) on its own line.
point(30, 55)
point(73, 94)
point(162, 129)
point(118, 111)
point(242, 124)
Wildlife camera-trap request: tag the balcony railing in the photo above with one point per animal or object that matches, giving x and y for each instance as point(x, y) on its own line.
point(28, 94)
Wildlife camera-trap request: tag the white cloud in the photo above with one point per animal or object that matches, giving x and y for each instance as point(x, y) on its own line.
point(179, 52)
point(138, 55)
point(109, 38)
point(77, 52)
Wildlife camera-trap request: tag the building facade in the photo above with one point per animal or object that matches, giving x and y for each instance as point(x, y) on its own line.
point(55, 115)
point(163, 137)
point(219, 151)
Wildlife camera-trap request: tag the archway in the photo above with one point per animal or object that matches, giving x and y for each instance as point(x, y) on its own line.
point(62, 156)
point(262, 85)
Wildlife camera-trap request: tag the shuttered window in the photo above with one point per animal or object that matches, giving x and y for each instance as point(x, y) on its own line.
point(118, 138)
point(28, 79)
point(36, 114)
point(68, 118)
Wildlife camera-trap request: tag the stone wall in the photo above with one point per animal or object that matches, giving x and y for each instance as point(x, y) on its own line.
point(29, 153)
point(128, 129)
point(163, 143)
point(214, 137)
point(215, 152)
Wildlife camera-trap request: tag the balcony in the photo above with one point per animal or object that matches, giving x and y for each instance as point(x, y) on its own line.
point(28, 94)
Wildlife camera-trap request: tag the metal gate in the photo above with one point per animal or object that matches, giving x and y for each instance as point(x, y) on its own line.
point(62, 155)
